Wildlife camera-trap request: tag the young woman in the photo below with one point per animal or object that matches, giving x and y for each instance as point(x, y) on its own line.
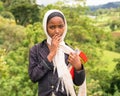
point(50, 60)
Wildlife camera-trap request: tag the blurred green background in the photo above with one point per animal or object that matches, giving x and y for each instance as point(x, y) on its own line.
point(96, 33)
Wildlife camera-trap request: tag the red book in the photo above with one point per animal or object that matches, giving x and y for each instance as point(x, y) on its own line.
point(83, 57)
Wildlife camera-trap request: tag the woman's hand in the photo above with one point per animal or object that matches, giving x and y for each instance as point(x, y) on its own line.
point(74, 60)
point(54, 46)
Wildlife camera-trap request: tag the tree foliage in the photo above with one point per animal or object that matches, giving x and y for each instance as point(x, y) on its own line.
point(115, 85)
point(24, 12)
point(117, 45)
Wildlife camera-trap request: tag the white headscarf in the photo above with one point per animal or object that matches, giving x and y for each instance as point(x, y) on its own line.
point(59, 59)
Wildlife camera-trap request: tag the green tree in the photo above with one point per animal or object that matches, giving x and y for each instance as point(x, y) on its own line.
point(14, 80)
point(94, 89)
point(24, 12)
point(115, 80)
point(11, 36)
point(1, 6)
point(117, 45)
point(7, 14)
point(3, 70)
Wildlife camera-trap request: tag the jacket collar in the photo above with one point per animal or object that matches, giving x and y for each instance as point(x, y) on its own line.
point(43, 49)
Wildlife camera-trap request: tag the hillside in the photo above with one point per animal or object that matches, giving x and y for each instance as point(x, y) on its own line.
point(105, 6)
point(109, 58)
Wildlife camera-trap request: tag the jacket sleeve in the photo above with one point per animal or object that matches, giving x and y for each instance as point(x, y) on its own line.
point(37, 68)
point(79, 76)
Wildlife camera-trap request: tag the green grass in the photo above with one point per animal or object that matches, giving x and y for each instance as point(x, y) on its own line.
point(108, 58)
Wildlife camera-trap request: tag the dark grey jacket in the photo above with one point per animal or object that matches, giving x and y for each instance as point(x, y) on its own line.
point(41, 71)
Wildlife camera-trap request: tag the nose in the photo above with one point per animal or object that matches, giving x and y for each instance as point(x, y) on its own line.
point(56, 30)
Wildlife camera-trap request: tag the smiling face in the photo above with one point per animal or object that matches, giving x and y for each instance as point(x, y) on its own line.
point(55, 25)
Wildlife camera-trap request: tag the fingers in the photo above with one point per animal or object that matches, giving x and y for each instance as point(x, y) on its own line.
point(74, 60)
point(71, 57)
point(56, 37)
point(55, 43)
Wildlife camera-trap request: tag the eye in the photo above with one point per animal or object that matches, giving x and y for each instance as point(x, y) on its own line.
point(52, 27)
point(61, 26)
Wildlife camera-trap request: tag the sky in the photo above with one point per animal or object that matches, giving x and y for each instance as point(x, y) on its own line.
point(89, 2)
